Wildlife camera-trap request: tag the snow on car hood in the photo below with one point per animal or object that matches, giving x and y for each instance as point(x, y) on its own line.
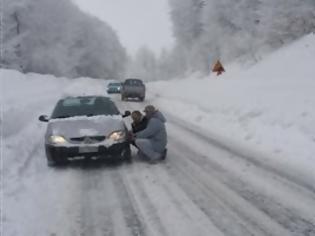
point(85, 126)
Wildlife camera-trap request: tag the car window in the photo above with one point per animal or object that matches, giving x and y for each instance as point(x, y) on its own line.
point(133, 82)
point(78, 101)
point(114, 84)
point(84, 106)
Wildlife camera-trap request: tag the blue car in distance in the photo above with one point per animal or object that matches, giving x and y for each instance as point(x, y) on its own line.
point(113, 87)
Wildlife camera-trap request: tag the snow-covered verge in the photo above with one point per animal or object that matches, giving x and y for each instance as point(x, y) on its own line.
point(268, 108)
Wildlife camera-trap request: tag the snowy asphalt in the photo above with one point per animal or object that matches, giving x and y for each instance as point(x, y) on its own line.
point(203, 188)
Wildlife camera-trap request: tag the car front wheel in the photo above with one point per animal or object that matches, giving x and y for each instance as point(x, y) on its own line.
point(126, 155)
point(53, 159)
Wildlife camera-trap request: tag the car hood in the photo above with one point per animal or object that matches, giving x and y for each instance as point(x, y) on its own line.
point(85, 126)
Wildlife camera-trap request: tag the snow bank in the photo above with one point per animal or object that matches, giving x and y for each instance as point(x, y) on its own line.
point(268, 107)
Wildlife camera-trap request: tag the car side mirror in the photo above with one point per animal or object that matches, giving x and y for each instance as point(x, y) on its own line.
point(127, 113)
point(43, 118)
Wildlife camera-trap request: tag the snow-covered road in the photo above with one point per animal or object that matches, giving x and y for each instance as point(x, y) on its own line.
point(204, 188)
point(238, 193)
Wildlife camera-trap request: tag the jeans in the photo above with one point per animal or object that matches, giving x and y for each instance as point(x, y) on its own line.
point(145, 146)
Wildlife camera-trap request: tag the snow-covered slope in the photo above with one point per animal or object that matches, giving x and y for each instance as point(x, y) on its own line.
point(268, 108)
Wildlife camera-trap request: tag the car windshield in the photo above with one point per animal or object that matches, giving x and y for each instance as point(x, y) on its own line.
point(135, 82)
point(84, 106)
point(114, 85)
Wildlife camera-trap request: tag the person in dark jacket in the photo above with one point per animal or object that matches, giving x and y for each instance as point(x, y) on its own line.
point(139, 123)
point(152, 141)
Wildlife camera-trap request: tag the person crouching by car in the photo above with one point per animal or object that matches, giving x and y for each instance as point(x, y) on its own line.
point(152, 141)
point(139, 122)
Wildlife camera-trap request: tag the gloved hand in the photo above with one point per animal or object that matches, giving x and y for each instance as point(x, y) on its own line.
point(130, 136)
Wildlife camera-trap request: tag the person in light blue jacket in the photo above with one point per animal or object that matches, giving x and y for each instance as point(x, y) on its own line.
point(152, 140)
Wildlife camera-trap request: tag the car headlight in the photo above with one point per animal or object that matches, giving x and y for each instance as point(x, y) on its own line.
point(55, 139)
point(117, 135)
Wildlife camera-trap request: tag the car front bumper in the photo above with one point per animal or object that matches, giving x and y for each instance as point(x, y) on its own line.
point(113, 91)
point(65, 153)
point(134, 95)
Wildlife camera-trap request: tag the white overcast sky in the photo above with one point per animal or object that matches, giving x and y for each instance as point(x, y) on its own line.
point(137, 22)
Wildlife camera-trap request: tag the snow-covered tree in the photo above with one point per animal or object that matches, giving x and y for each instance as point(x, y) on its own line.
point(55, 37)
point(188, 29)
point(12, 35)
point(186, 16)
point(144, 65)
point(230, 29)
point(285, 20)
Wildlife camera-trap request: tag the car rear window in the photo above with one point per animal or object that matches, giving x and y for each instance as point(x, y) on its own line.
point(134, 82)
point(84, 106)
point(114, 84)
point(78, 101)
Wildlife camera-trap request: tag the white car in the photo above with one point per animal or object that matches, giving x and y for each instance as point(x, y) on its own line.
point(89, 126)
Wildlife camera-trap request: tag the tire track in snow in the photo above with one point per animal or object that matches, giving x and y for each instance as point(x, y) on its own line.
point(32, 155)
point(149, 211)
point(19, 172)
point(199, 223)
point(171, 209)
point(95, 218)
point(127, 204)
point(177, 122)
point(225, 215)
point(285, 216)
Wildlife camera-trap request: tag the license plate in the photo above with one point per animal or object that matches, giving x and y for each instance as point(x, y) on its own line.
point(88, 149)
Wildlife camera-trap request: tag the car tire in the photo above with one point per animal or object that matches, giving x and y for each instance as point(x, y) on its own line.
point(126, 155)
point(53, 161)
